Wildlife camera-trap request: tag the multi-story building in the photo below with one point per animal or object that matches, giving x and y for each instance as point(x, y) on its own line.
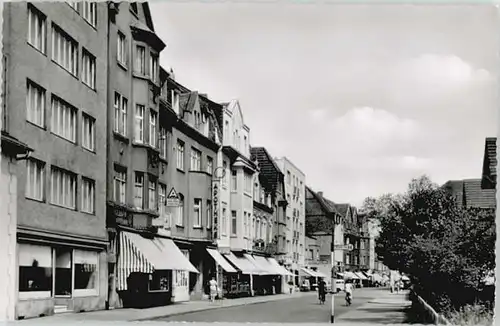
point(320, 216)
point(295, 181)
point(137, 176)
point(276, 184)
point(191, 139)
point(55, 88)
point(364, 243)
point(351, 236)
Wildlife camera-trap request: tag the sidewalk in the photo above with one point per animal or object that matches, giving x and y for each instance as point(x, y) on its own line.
point(388, 308)
point(160, 312)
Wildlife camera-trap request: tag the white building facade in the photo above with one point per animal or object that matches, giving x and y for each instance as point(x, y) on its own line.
point(295, 181)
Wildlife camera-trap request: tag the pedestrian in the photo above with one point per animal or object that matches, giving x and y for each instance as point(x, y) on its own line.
point(213, 289)
point(321, 291)
point(349, 289)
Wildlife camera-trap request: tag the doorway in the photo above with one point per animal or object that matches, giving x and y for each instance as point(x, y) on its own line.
point(63, 278)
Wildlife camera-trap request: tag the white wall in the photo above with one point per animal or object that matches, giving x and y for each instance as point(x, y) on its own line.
point(8, 228)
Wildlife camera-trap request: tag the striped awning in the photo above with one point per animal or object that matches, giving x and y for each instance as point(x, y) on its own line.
point(279, 269)
point(141, 255)
point(361, 276)
point(221, 261)
point(265, 265)
point(350, 275)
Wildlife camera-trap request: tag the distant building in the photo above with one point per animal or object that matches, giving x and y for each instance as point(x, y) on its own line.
point(469, 193)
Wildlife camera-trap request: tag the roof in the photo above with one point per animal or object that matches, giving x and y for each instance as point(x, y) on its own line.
point(268, 167)
point(342, 209)
point(326, 205)
point(469, 193)
point(489, 175)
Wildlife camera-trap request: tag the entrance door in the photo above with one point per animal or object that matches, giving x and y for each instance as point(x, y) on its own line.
point(63, 278)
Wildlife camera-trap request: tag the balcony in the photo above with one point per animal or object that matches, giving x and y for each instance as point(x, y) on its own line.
point(125, 215)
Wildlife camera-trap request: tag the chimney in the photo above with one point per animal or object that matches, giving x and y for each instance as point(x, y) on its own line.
point(320, 193)
point(172, 75)
point(204, 95)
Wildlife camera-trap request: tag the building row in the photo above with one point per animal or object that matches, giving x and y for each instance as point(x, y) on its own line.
point(126, 188)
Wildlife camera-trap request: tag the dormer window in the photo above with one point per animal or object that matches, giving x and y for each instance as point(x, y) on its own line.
point(175, 101)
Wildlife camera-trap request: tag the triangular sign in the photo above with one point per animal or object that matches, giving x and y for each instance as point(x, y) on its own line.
point(173, 194)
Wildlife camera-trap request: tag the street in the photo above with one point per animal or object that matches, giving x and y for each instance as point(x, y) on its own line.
point(295, 310)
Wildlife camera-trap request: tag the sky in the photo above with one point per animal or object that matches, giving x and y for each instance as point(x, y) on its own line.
point(362, 98)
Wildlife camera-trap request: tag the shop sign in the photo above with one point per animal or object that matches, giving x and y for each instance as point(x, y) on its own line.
point(173, 199)
point(215, 212)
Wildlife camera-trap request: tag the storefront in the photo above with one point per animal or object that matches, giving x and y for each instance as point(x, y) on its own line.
point(226, 274)
point(57, 277)
point(282, 273)
point(243, 284)
point(151, 271)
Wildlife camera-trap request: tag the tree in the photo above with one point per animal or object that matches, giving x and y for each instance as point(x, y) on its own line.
point(446, 249)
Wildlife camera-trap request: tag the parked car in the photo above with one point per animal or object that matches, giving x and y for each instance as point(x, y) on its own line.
point(328, 286)
point(305, 286)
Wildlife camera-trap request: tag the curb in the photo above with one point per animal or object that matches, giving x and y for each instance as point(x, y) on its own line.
point(180, 313)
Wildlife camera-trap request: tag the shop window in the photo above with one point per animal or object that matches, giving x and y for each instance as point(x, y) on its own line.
point(35, 271)
point(159, 281)
point(86, 265)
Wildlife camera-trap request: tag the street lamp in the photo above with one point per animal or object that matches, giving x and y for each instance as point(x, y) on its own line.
point(335, 220)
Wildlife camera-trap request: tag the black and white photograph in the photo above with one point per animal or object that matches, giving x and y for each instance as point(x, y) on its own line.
point(320, 162)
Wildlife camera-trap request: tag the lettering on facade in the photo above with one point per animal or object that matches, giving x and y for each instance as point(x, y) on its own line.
point(215, 212)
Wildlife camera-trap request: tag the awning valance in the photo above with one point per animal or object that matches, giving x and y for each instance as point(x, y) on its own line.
point(307, 272)
point(221, 261)
point(142, 255)
point(350, 275)
point(280, 269)
point(319, 274)
point(243, 264)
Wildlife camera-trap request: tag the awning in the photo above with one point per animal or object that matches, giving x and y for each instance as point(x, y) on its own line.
point(307, 272)
point(243, 264)
point(260, 270)
point(221, 261)
point(350, 275)
point(340, 274)
point(280, 269)
point(264, 264)
point(142, 255)
point(317, 274)
point(361, 276)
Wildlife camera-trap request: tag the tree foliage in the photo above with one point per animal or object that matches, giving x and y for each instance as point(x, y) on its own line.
point(447, 250)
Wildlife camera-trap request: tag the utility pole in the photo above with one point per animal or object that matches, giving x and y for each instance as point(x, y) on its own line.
point(334, 274)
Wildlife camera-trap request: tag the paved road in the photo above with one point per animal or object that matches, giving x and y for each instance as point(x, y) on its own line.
point(294, 310)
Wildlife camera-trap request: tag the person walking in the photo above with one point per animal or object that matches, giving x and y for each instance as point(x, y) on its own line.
point(348, 292)
point(322, 291)
point(213, 289)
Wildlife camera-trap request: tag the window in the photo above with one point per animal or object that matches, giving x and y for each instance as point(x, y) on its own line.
point(139, 190)
point(210, 165)
point(121, 51)
point(86, 269)
point(288, 177)
point(248, 183)
point(162, 195)
point(234, 185)
point(245, 140)
point(120, 185)
point(226, 127)
point(224, 178)
point(175, 102)
point(139, 124)
point(224, 220)
point(35, 104)
point(152, 194)
point(35, 179)
point(233, 222)
point(37, 29)
point(180, 211)
point(140, 60)
point(88, 68)
point(257, 225)
point(73, 5)
point(64, 50)
point(153, 118)
point(63, 119)
point(197, 212)
point(195, 160)
point(180, 155)
point(209, 214)
point(88, 195)
point(133, 7)
point(159, 281)
point(153, 67)
point(256, 192)
point(63, 186)
point(245, 225)
point(35, 271)
point(88, 134)
point(89, 12)
point(120, 114)
point(163, 142)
